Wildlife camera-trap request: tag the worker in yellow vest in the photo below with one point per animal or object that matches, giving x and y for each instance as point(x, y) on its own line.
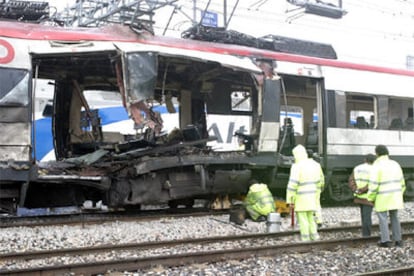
point(306, 178)
point(358, 183)
point(259, 201)
point(385, 189)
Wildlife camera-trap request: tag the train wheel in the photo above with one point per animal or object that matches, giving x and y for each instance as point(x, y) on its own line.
point(173, 204)
point(9, 197)
point(338, 189)
point(8, 206)
point(133, 208)
point(189, 203)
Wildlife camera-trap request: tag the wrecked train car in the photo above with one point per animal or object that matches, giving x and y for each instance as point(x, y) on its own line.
point(203, 118)
point(196, 81)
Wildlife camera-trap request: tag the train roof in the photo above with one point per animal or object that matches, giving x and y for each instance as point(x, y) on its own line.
point(120, 33)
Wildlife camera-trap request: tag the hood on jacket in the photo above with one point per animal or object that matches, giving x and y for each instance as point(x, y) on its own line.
point(299, 152)
point(257, 187)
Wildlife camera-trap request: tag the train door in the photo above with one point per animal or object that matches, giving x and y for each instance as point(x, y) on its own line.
point(300, 114)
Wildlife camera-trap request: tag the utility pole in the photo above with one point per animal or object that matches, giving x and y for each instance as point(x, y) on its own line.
point(225, 14)
point(194, 12)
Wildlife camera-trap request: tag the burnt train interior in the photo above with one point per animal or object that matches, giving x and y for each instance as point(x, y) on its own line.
point(192, 87)
point(148, 164)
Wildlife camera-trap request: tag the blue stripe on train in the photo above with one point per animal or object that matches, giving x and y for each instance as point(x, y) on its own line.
point(108, 115)
point(44, 139)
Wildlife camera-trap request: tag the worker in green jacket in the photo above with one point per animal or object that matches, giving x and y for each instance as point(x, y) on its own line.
point(385, 190)
point(303, 192)
point(259, 201)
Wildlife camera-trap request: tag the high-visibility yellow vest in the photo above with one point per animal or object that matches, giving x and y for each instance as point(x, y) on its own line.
point(386, 185)
point(259, 201)
point(362, 174)
point(306, 181)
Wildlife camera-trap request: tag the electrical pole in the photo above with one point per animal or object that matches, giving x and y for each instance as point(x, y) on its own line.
point(194, 12)
point(225, 14)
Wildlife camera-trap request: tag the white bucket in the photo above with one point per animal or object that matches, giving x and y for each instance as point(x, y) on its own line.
point(273, 222)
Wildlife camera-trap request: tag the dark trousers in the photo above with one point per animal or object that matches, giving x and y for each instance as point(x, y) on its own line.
point(366, 220)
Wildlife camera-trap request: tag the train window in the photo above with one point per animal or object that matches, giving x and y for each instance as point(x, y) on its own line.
point(295, 114)
point(241, 101)
point(400, 114)
point(360, 110)
point(315, 115)
point(409, 122)
point(223, 125)
point(410, 62)
point(115, 119)
point(100, 98)
point(44, 97)
point(48, 108)
point(13, 89)
point(362, 119)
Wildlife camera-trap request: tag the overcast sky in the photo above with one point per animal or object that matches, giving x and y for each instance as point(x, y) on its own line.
point(372, 31)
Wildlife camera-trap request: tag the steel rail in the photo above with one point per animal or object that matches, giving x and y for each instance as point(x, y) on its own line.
point(100, 217)
point(30, 255)
point(130, 264)
point(180, 259)
point(401, 271)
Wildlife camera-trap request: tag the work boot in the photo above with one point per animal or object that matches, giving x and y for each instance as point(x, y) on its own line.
point(384, 244)
point(261, 218)
point(399, 244)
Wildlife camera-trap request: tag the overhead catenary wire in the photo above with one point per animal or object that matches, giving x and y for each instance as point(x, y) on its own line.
point(343, 31)
point(268, 16)
point(385, 22)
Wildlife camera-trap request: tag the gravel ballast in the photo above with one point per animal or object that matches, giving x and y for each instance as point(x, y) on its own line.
point(344, 261)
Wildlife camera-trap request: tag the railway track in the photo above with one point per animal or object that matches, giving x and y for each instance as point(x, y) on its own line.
point(178, 252)
point(101, 217)
point(401, 271)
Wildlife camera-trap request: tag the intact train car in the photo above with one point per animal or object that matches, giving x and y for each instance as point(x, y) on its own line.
point(141, 119)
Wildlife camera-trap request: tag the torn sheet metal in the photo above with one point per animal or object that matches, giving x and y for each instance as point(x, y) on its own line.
point(89, 158)
point(141, 76)
point(230, 61)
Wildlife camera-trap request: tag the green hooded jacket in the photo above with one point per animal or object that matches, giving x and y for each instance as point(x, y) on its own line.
point(306, 181)
point(259, 201)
